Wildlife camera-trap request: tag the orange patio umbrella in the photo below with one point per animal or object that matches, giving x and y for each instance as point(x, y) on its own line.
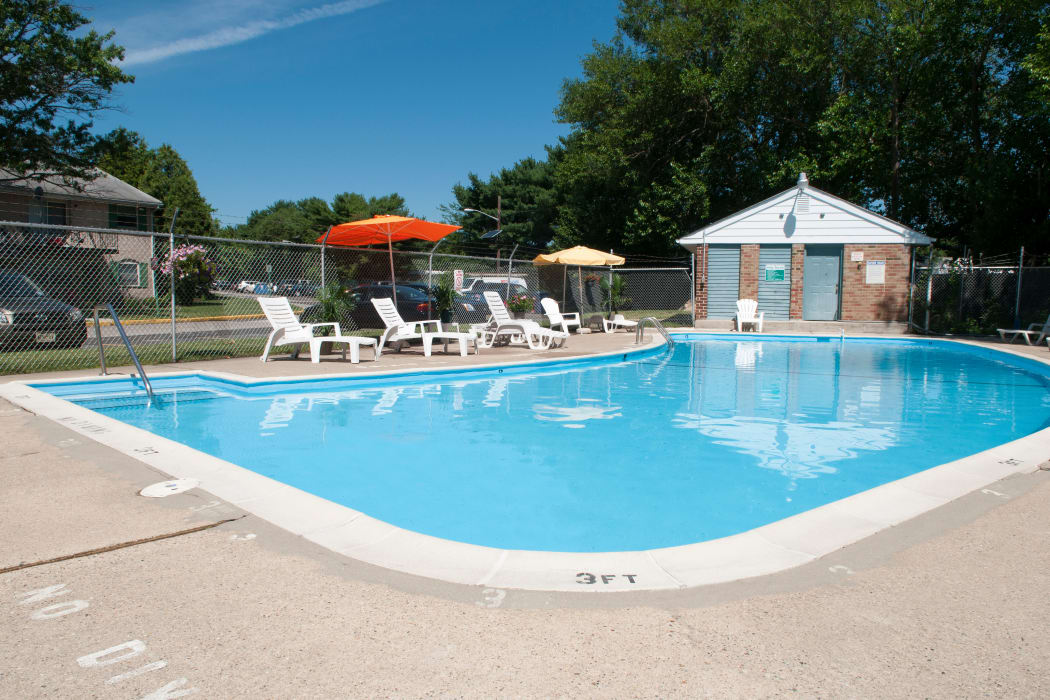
point(386, 229)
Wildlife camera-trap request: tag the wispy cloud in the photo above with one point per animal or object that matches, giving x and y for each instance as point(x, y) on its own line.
point(243, 32)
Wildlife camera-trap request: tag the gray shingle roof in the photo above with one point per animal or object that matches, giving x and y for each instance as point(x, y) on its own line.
point(105, 187)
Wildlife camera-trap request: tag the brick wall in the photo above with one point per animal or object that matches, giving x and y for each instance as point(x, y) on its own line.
point(700, 290)
point(875, 302)
point(798, 266)
point(748, 271)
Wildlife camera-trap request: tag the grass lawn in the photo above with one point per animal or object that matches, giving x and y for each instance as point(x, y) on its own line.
point(50, 360)
point(134, 309)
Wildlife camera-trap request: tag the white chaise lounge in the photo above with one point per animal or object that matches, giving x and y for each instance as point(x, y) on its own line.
point(1039, 330)
point(503, 325)
point(747, 314)
point(617, 321)
point(288, 331)
point(398, 331)
point(557, 318)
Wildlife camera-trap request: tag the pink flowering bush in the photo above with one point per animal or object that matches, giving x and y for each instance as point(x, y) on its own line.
point(194, 272)
point(520, 303)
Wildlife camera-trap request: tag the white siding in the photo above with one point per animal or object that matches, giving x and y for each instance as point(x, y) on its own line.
point(827, 219)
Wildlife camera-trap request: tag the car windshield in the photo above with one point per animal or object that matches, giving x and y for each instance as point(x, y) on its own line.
point(15, 285)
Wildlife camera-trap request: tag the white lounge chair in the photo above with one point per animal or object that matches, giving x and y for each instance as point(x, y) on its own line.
point(1039, 330)
point(288, 331)
point(557, 318)
point(398, 330)
point(503, 325)
point(747, 314)
point(617, 321)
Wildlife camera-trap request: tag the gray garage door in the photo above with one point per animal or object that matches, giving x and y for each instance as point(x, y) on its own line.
point(774, 281)
point(723, 280)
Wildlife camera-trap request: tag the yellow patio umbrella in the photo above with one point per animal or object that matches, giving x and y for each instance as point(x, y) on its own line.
point(578, 256)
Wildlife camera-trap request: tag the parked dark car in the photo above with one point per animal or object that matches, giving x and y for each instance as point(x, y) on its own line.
point(412, 303)
point(31, 319)
point(473, 301)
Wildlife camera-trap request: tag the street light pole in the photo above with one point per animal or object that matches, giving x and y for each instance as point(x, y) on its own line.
point(499, 224)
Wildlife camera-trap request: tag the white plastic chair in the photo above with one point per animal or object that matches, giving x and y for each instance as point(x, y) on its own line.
point(398, 330)
point(502, 324)
point(617, 321)
point(747, 314)
point(1037, 329)
point(288, 331)
point(557, 318)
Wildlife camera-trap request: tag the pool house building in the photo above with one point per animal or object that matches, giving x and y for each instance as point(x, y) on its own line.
point(804, 255)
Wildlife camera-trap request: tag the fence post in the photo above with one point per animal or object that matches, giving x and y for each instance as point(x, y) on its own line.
point(1017, 301)
point(323, 241)
point(510, 268)
point(911, 292)
point(692, 287)
point(929, 287)
point(171, 278)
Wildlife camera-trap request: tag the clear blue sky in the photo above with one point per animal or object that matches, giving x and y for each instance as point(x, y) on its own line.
point(284, 99)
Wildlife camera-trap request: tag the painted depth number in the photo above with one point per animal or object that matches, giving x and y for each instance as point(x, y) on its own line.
point(589, 579)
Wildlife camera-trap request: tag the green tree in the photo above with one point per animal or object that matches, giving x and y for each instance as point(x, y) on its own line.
point(168, 178)
point(53, 79)
point(351, 206)
point(528, 197)
point(927, 110)
point(124, 154)
point(159, 172)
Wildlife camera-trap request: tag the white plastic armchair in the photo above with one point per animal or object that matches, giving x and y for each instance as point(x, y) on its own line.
point(747, 314)
point(557, 318)
point(609, 325)
point(288, 331)
point(502, 324)
point(398, 330)
point(1040, 330)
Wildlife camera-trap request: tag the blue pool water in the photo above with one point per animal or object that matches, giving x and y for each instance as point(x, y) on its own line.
point(632, 452)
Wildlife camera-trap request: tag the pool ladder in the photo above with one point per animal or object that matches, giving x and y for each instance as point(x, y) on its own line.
point(127, 343)
point(639, 332)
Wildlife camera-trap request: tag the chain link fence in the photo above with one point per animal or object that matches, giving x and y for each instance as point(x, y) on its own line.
point(52, 278)
point(954, 297)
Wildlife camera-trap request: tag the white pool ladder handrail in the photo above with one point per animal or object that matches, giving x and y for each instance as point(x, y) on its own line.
point(127, 343)
point(639, 332)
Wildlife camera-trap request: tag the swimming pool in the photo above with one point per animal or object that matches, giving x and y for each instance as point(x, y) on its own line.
point(632, 452)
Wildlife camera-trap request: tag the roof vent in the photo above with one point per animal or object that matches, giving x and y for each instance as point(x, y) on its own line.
point(802, 205)
point(802, 181)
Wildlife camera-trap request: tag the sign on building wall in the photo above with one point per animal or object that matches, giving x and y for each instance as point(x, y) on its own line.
point(775, 273)
point(856, 256)
point(875, 272)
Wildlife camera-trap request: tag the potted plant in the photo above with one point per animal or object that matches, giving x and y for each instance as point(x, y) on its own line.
point(520, 304)
point(445, 297)
point(336, 304)
point(614, 295)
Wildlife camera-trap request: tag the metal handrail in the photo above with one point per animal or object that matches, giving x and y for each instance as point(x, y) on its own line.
point(127, 344)
point(639, 332)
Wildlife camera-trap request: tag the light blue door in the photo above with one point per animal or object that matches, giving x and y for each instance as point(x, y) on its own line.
point(774, 281)
point(820, 282)
point(723, 280)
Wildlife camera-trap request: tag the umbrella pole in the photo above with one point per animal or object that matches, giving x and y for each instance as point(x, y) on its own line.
point(393, 282)
point(579, 272)
point(564, 283)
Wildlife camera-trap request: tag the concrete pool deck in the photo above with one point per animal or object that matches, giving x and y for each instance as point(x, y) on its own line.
point(949, 603)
